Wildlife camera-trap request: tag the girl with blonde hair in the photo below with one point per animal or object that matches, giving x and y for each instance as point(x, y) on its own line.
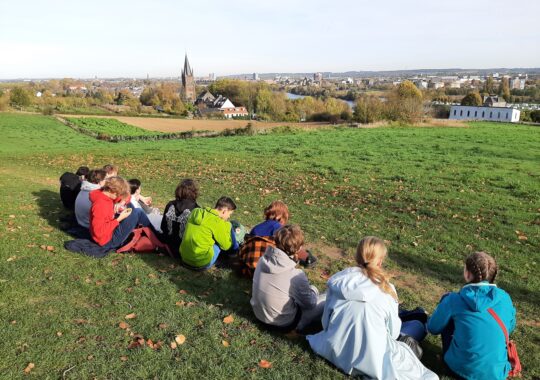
point(362, 324)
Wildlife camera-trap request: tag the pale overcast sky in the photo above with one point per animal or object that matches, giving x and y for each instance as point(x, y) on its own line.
point(84, 38)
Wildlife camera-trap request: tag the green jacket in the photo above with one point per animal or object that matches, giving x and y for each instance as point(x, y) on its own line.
point(204, 229)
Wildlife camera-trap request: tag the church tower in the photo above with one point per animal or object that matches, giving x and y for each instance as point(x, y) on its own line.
point(187, 92)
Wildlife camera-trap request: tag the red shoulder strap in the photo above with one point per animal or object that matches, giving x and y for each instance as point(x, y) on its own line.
point(501, 324)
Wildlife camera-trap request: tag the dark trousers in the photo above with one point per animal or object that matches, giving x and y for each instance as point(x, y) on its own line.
point(126, 226)
point(414, 323)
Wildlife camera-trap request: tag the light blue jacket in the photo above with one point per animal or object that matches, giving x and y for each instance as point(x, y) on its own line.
point(478, 348)
point(361, 325)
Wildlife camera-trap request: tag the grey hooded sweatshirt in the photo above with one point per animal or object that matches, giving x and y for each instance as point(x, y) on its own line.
point(279, 289)
point(83, 204)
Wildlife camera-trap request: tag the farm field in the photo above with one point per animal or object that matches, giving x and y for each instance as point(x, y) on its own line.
point(165, 125)
point(436, 194)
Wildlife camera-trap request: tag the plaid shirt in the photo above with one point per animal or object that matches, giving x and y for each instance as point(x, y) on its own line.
point(251, 251)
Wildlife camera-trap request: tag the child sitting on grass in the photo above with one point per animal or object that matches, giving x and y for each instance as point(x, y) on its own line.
point(70, 185)
point(473, 343)
point(109, 231)
point(207, 234)
point(96, 179)
point(282, 297)
point(177, 213)
point(144, 203)
point(276, 215)
point(362, 333)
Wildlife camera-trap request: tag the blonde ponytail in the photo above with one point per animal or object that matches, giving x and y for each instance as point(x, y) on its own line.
point(369, 253)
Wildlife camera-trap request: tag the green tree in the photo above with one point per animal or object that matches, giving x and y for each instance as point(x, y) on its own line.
point(407, 90)
point(489, 85)
point(405, 103)
point(504, 89)
point(19, 97)
point(472, 99)
point(368, 109)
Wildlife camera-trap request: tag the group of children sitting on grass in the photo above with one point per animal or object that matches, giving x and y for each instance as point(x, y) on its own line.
point(357, 324)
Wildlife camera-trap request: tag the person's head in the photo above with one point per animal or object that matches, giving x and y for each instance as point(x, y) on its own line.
point(97, 176)
point(134, 186)
point(187, 189)
point(290, 239)
point(480, 266)
point(278, 211)
point(116, 188)
point(225, 207)
point(112, 170)
point(82, 172)
point(370, 255)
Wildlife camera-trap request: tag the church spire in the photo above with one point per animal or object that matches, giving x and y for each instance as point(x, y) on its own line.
point(187, 68)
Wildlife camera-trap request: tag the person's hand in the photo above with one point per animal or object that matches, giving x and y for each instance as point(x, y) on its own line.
point(124, 214)
point(146, 200)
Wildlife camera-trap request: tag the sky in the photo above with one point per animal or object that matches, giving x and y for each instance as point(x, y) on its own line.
point(133, 38)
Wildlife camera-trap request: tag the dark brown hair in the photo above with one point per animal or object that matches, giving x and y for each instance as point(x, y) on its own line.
point(482, 267)
point(96, 176)
point(187, 189)
point(277, 210)
point(83, 171)
point(289, 238)
point(134, 185)
point(225, 203)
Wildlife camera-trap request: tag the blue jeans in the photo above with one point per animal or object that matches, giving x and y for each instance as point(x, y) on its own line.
point(414, 329)
point(217, 251)
point(126, 226)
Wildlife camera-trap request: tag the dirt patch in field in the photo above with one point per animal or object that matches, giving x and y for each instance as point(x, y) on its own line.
point(183, 125)
point(329, 251)
point(429, 292)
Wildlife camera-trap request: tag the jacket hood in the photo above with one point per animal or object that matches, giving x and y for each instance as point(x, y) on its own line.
point(481, 296)
point(198, 214)
point(88, 186)
point(275, 261)
point(351, 284)
point(96, 195)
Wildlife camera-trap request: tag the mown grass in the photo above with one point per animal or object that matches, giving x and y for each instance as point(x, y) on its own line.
point(435, 193)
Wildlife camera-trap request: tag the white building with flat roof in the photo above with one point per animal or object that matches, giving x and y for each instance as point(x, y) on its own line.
point(503, 114)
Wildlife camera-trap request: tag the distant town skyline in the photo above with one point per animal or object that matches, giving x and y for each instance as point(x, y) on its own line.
point(79, 39)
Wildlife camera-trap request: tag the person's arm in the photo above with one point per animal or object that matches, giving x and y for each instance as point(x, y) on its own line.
point(394, 322)
point(222, 235)
point(304, 294)
point(441, 316)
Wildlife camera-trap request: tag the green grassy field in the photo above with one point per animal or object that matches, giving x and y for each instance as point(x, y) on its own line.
point(109, 127)
point(435, 194)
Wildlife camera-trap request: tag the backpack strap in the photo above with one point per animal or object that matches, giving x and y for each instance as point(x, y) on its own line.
point(501, 324)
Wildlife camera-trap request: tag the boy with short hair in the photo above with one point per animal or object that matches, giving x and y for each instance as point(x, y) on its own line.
point(208, 232)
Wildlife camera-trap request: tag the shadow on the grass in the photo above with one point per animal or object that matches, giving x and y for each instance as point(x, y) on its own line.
point(222, 288)
point(52, 210)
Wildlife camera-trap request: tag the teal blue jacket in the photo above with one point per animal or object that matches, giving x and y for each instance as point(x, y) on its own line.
point(478, 348)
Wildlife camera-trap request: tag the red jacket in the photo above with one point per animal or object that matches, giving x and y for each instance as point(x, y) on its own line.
point(102, 221)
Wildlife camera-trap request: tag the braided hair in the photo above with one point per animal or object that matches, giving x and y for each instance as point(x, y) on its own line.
point(482, 267)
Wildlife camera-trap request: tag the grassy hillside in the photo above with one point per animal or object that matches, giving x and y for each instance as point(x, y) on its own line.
point(435, 193)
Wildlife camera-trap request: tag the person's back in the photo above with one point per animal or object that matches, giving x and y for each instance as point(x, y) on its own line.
point(278, 288)
point(362, 324)
point(474, 345)
point(82, 202)
point(70, 185)
point(207, 233)
point(478, 348)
